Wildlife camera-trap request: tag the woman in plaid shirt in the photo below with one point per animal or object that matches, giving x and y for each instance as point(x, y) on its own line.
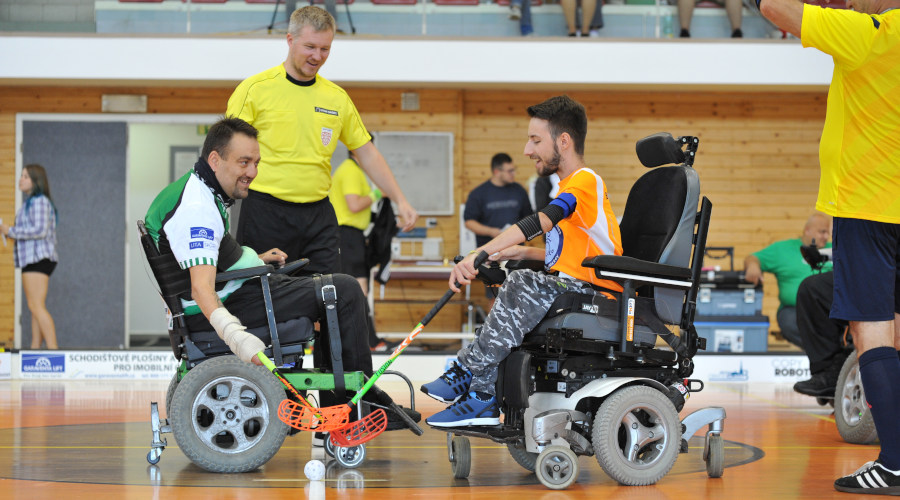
point(35, 235)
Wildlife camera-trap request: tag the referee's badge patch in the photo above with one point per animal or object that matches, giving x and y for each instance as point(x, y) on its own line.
point(326, 136)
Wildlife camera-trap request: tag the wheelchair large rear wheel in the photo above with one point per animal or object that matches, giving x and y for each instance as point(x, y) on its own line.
point(851, 412)
point(170, 393)
point(636, 435)
point(224, 415)
point(522, 456)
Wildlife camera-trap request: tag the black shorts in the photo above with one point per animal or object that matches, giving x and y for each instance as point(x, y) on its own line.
point(45, 266)
point(353, 252)
point(301, 230)
point(866, 271)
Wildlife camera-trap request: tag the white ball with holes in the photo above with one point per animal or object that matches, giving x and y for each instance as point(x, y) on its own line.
point(314, 470)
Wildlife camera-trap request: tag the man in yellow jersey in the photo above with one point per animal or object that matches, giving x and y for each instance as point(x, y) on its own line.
point(859, 155)
point(579, 223)
point(301, 117)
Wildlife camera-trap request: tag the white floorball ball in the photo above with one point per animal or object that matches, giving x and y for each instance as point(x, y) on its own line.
point(314, 470)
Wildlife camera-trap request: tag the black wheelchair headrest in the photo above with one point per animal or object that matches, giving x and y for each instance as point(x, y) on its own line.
point(660, 149)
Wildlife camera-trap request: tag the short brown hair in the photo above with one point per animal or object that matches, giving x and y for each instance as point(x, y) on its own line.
point(317, 17)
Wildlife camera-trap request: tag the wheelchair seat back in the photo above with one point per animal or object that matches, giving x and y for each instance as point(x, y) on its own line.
point(658, 226)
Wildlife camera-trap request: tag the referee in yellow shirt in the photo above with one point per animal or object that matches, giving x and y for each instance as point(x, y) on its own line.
point(301, 117)
point(859, 155)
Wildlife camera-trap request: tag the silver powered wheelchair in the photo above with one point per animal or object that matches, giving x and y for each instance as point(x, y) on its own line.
point(224, 412)
point(607, 377)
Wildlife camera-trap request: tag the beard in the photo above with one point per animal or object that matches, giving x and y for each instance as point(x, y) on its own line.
point(551, 166)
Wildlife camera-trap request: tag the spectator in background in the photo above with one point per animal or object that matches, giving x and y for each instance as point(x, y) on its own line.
point(734, 9)
point(496, 203)
point(587, 15)
point(520, 10)
point(35, 252)
point(783, 259)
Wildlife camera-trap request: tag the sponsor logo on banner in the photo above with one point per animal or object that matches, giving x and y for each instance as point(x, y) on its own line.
point(739, 375)
point(43, 363)
point(202, 232)
point(790, 368)
point(752, 368)
point(5, 365)
point(326, 136)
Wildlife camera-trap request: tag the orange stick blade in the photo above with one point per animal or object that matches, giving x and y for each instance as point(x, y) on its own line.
point(306, 418)
point(361, 431)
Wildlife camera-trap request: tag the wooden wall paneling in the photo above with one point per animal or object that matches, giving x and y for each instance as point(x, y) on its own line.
point(9, 184)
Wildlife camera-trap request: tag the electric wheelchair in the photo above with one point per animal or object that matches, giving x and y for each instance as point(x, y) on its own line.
point(607, 377)
point(224, 412)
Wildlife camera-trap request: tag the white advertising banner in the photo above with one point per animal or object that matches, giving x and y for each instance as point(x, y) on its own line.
point(5, 365)
point(751, 368)
point(97, 364)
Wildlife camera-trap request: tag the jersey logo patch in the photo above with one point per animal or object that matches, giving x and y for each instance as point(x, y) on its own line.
point(326, 136)
point(196, 244)
point(326, 111)
point(553, 246)
point(202, 232)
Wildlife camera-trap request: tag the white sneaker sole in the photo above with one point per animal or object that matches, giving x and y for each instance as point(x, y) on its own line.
point(442, 400)
point(467, 422)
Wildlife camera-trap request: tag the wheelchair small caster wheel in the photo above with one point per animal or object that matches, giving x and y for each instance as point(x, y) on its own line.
point(557, 467)
point(461, 457)
point(350, 457)
point(153, 456)
point(715, 460)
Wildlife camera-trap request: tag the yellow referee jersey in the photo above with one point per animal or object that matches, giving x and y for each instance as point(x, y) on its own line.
point(299, 127)
point(859, 151)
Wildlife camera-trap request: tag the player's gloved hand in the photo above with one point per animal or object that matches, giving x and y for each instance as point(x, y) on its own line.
point(244, 345)
point(376, 195)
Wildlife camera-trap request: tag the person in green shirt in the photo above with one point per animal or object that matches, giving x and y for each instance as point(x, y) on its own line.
point(783, 259)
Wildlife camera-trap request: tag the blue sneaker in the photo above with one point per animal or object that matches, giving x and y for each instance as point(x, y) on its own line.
point(470, 410)
point(450, 386)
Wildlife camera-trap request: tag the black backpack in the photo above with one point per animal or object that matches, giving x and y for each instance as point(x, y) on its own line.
point(378, 244)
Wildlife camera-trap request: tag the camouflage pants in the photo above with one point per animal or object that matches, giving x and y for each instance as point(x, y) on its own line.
point(523, 301)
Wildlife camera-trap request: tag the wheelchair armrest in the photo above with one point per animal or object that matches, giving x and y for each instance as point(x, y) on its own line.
point(617, 268)
point(292, 266)
point(534, 265)
point(250, 272)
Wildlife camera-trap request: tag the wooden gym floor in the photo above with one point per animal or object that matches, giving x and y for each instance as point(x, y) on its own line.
point(84, 439)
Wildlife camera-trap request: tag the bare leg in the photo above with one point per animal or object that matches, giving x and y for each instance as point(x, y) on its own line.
point(35, 285)
point(734, 10)
point(364, 283)
point(868, 335)
point(587, 14)
point(897, 331)
point(685, 13)
point(36, 337)
point(569, 13)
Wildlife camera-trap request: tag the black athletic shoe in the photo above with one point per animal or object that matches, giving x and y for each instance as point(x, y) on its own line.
point(820, 385)
point(872, 478)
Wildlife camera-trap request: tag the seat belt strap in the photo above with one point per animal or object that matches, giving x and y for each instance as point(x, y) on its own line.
point(327, 293)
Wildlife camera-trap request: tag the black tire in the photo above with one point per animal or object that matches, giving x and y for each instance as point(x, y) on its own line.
point(170, 393)
point(557, 467)
point(462, 457)
point(522, 457)
point(851, 412)
point(224, 415)
point(715, 461)
point(636, 435)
